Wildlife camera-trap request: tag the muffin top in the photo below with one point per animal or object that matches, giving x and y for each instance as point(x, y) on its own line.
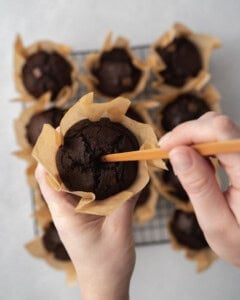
point(184, 108)
point(51, 116)
point(187, 231)
point(52, 243)
point(79, 158)
point(182, 59)
point(116, 73)
point(46, 72)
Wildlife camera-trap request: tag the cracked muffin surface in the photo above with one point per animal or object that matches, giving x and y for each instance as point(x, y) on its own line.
point(78, 159)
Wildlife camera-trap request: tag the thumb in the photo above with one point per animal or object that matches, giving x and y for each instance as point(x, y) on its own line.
point(197, 177)
point(123, 216)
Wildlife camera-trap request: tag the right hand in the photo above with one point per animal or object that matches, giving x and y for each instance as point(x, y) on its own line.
point(218, 212)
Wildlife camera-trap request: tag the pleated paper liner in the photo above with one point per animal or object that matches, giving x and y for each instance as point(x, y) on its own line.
point(147, 211)
point(93, 60)
point(20, 57)
point(209, 95)
point(168, 191)
point(143, 108)
point(202, 257)
point(50, 140)
point(23, 120)
point(205, 45)
point(36, 248)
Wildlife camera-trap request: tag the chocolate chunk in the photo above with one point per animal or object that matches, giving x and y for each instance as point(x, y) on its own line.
point(184, 108)
point(46, 72)
point(53, 243)
point(187, 231)
point(172, 180)
point(51, 116)
point(78, 159)
point(116, 73)
point(182, 60)
point(133, 114)
point(144, 195)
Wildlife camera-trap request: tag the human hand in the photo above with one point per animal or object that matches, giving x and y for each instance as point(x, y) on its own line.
point(101, 248)
point(218, 212)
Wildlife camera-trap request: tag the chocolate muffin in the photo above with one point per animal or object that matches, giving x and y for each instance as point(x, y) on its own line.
point(187, 231)
point(184, 108)
point(182, 59)
point(170, 179)
point(52, 243)
point(143, 196)
point(51, 116)
point(79, 162)
point(133, 114)
point(46, 72)
point(115, 73)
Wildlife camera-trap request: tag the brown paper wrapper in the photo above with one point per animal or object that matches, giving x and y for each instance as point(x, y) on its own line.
point(166, 191)
point(209, 94)
point(203, 257)
point(146, 212)
point(143, 108)
point(42, 213)
point(37, 249)
point(205, 44)
point(92, 60)
point(21, 123)
point(38, 198)
point(22, 53)
point(50, 140)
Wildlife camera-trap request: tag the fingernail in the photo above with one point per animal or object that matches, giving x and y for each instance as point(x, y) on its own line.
point(164, 139)
point(181, 161)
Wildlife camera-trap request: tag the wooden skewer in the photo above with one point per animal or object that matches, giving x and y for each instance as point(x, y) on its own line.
point(229, 146)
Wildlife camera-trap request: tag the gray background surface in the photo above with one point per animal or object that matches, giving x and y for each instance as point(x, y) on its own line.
point(160, 273)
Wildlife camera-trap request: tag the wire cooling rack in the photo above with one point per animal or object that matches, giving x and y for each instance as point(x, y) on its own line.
point(153, 232)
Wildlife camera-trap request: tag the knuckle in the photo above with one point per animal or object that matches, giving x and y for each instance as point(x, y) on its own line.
point(208, 115)
point(223, 124)
point(199, 185)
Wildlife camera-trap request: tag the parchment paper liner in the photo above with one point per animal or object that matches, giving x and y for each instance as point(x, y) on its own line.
point(142, 107)
point(21, 123)
point(209, 94)
point(203, 257)
point(36, 248)
point(165, 190)
point(39, 202)
point(205, 44)
point(147, 211)
point(50, 140)
point(22, 53)
point(93, 60)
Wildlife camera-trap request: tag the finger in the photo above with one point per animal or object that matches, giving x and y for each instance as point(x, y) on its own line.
point(199, 181)
point(209, 115)
point(122, 218)
point(210, 127)
point(61, 205)
point(57, 201)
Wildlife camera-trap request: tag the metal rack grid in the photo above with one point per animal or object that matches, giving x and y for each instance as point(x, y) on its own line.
point(153, 232)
